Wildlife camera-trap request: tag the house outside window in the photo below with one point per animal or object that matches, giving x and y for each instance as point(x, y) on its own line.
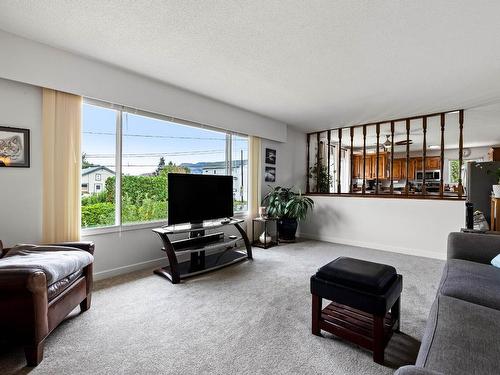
point(98, 177)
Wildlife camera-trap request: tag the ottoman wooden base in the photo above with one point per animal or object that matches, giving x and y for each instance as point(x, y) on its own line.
point(369, 331)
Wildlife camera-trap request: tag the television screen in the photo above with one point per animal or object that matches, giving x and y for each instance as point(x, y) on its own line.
point(193, 198)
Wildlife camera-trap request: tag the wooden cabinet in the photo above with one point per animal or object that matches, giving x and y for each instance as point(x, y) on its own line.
point(370, 166)
point(357, 166)
point(397, 169)
point(494, 154)
point(433, 163)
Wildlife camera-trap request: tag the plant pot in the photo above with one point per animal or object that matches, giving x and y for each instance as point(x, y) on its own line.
point(287, 229)
point(496, 191)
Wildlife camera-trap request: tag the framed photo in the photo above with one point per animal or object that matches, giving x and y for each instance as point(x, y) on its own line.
point(14, 147)
point(270, 174)
point(270, 156)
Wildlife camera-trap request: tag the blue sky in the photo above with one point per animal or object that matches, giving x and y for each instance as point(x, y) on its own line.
point(146, 139)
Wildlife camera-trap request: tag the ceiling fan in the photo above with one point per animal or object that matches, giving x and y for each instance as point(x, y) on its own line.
point(387, 144)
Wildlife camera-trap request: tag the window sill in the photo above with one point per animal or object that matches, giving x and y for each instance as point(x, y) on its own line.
point(121, 228)
point(87, 232)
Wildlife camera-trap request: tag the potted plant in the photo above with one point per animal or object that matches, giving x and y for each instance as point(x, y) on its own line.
point(496, 188)
point(288, 207)
point(319, 173)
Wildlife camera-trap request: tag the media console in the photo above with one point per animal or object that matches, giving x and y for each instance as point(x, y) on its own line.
point(208, 251)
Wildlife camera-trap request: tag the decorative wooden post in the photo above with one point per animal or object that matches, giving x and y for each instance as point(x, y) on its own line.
point(308, 163)
point(441, 181)
point(424, 153)
point(377, 128)
point(318, 162)
point(339, 165)
point(352, 158)
point(407, 185)
point(460, 152)
point(328, 148)
point(364, 160)
point(392, 158)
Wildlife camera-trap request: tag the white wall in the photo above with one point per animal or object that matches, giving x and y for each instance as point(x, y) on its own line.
point(21, 188)
point(27, 61)
point(410, 226)
point(290, 161)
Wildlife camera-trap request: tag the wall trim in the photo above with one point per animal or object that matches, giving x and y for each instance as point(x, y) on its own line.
point(371, 245)
point(159, 262)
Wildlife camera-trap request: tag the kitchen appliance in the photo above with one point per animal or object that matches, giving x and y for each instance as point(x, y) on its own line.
point(434, 175)
point(432, 180)
point(478, 185)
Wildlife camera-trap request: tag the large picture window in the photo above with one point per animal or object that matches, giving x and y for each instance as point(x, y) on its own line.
point(131, 154)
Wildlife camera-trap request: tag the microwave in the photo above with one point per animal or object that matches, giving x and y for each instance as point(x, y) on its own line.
point(429, 175)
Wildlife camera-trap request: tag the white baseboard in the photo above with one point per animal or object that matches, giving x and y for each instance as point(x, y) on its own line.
point(371, 245)
point(159, 262)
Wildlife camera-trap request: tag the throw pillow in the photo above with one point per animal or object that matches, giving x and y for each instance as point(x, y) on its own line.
point(496, 261)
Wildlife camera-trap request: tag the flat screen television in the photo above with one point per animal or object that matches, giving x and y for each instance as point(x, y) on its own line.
point(193, 198)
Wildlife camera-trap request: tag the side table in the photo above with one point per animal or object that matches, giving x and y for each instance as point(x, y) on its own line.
point(265, 232)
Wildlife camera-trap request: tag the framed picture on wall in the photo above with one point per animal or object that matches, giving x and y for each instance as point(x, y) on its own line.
point(270, 174)
point(14, 147)
point(270, 156)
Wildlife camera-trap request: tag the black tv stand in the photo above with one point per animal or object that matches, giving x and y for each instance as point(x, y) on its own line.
point(207, 252)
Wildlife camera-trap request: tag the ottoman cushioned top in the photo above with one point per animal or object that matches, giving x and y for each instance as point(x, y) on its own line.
point(358, 274)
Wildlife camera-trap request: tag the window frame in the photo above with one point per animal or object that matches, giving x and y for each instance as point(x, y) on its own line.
point(122, 227)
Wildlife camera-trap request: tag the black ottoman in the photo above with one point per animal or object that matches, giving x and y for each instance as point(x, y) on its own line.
point(362, 294)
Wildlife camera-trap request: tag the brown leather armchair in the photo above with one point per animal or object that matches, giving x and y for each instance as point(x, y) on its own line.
point(30, 309)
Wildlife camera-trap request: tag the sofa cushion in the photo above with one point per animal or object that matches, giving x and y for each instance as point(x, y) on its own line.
point(473, 282)
point(57, 262)
point(358, 274)
point(460, 338)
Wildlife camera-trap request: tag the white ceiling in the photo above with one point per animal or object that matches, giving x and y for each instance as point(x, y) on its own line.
point(313, 64)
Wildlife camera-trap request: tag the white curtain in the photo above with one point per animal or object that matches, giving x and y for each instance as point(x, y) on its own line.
point(61, 130)
point(255, 182)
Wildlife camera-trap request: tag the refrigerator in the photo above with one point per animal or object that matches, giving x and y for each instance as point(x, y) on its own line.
point(478, 185)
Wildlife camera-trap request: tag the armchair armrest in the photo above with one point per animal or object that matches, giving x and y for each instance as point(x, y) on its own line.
point(88, 246)
point(480, 248)
point(22, 279)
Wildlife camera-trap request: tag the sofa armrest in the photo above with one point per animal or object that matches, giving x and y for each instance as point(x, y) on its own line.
point(88, 246)
point(414, 370)
point(476, 247)
point(17, 279)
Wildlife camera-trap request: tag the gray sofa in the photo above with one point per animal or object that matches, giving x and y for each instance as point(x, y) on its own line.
point(463, 330)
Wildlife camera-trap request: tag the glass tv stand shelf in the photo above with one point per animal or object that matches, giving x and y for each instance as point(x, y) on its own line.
point(207, 251)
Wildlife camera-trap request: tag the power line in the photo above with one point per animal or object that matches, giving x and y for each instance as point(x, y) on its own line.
point(164, 136)
point(156, 136)
point(157, 154)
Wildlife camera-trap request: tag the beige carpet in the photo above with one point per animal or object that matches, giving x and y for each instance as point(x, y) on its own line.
point(252, 318)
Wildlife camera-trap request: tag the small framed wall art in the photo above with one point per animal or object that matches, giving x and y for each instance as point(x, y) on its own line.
point(14, 147)
point(270, 156)
point(270, 174)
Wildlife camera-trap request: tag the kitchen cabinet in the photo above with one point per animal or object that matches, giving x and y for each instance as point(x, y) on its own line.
point(431, 163)
point(370, 166)
point(397, 169)
point(494, 154)
point(357, 166)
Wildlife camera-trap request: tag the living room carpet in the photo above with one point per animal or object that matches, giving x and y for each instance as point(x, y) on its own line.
point(251, 318)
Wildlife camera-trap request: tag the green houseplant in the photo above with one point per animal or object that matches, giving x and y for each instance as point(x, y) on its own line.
point(288, 207)
point(496, 188)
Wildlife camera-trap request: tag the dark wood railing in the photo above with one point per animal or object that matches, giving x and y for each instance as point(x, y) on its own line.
point(370, 170)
